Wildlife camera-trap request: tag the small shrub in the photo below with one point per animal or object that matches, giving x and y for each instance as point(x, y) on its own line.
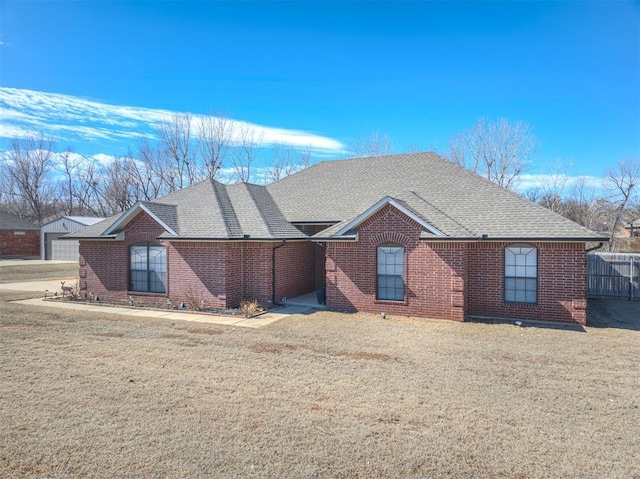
point(250, 308)
point(194, 299)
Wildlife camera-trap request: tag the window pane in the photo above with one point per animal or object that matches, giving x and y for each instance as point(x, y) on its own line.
point(521, 272)
point(139, 281)
point(157, 258)
point(138, 257)
point(148, 266)
point(390, 268)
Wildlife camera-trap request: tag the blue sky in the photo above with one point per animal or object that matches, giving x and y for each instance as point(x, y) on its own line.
point(97, 74)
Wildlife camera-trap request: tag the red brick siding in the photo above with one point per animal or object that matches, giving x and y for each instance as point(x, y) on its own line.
point(295, 269)
point(434, 274)
point(104, 265)
point(222, 274)
point(319, 253)
point(452, 280)
point(561, 283)
point(27, 244)
point(198, 270)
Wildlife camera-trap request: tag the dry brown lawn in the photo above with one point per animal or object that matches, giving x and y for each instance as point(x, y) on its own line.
point(27, 272)
point(313, 396)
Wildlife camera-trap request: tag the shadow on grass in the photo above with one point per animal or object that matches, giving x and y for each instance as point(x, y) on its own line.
point(613, 313)
point(525, 323)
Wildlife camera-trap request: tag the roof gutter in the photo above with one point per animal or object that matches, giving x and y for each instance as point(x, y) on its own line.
point(502, 240)
point(273, 270)
point(228, 240)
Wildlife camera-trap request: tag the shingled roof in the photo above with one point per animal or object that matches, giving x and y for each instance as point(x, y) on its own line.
point(451, 202)
point(456, 201)
point(208, 210)
point(11, 222)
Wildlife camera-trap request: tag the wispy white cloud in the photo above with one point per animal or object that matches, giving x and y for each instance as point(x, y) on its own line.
point(72, 119)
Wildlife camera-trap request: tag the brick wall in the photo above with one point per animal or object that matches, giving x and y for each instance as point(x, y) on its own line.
point(561, 283)
point(319, 253)
point(447, 280)
point(295, 269)
point(104, 265)
point(434, 274)
point(444, 280)
point(221, 273)
point(12, 244)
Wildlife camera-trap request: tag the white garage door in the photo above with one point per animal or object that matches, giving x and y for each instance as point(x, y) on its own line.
point(65, 250)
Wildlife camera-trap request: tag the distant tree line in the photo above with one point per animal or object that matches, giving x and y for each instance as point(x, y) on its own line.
point(38, 183)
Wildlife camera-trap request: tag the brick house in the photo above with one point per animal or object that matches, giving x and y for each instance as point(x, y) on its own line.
point(18, 237)
point(406, 234)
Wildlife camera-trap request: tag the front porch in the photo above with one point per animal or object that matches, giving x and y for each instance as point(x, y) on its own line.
point(309, 300)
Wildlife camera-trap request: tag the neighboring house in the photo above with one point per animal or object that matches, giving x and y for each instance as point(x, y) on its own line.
point(18, 237)
point(632, 229)
point(53, 247)
point(406, 234)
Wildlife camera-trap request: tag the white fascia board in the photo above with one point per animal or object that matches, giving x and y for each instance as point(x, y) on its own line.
point(387, 200)
point(124, 219)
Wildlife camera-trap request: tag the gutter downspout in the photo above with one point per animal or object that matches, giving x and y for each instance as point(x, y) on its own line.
point(595, 247)
point(273, 271)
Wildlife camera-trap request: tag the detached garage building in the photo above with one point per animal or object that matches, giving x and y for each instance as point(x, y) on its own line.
point(52, 247)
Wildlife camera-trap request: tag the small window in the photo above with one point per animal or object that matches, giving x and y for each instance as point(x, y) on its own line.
point(521, 274)
point(390, 265)
point(148, 268)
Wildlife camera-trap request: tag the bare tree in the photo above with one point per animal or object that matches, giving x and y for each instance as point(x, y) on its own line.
point(68, 164)
point(621, 183)
point(244, 154)
point(376, 144)
point(146, 165)
point(287, 160)
point(553, 189)
point(30, 164)
point(215, 134)
point(176, 147)
point(498, 150)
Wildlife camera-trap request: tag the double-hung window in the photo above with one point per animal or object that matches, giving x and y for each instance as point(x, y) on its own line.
point(390, 266)
point(148, 268)
point(521, 274)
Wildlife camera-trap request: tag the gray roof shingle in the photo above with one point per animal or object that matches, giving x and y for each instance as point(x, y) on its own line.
point(455, 201)
point(458, 202)
point(15, 223)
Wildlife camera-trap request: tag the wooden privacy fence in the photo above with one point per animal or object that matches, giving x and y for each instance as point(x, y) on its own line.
point(614, 275)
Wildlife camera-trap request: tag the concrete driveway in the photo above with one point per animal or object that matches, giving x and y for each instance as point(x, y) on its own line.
point(51, 285)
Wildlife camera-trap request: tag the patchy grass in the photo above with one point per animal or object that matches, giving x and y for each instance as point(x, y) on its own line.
point(319, 395)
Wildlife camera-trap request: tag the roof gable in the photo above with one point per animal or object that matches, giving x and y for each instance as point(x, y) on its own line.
point(387, 200)
point(160, 213)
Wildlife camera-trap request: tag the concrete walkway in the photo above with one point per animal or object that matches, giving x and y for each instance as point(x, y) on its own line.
point(53, 285)
point(257, 322)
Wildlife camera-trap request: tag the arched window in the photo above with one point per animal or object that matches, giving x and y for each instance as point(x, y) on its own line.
point(148, 268)
point(390, 268)
point(521, 274)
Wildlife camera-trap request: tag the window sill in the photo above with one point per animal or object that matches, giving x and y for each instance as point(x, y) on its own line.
point(526, 305)
point(391, 302)
point(147, 294)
